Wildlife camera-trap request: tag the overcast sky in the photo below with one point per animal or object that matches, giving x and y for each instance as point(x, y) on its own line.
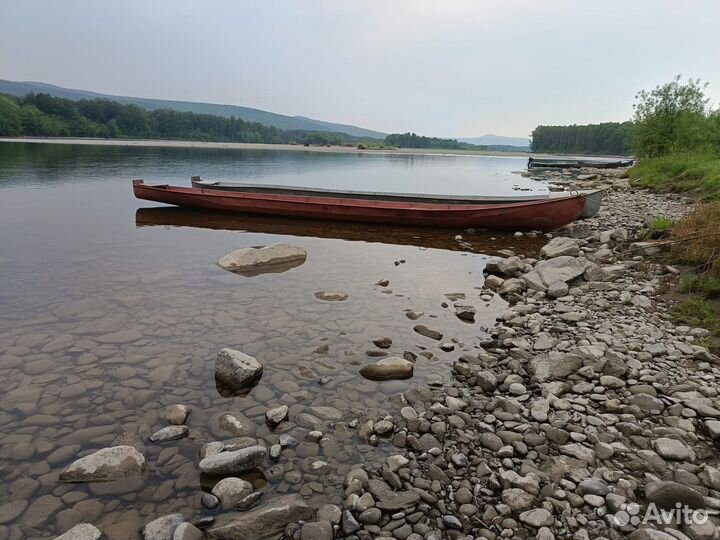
point(445, 68)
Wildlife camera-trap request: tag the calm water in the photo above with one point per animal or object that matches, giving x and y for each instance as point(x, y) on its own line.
point(113, 308)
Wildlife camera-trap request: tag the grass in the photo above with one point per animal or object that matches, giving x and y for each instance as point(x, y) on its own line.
point(696, 312)
point(661, 224)
point(697, 172)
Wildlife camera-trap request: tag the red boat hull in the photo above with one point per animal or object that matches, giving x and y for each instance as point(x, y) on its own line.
point(544, 215)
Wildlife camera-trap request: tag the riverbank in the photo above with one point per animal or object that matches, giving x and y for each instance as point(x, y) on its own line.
point(261, 146)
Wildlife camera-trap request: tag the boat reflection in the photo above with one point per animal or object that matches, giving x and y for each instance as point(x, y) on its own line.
point(479, 242)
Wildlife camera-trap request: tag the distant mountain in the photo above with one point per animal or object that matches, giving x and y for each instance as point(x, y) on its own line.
point(497, 140)
point(21, 88)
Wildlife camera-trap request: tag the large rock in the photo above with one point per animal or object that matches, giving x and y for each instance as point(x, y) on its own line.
point(237, 461)
point(81, 531)
point(113, 463)
point(392, 367)
point(559, 246)
point(267, 521)
point(260, 260)
point(163, 527)
point(554, 365)
point(667, 494)
point(231, 490)
point(563, 268)
point(387, 499)
point(236, 369)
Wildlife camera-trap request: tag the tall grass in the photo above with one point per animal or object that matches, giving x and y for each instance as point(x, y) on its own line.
point(697, 172)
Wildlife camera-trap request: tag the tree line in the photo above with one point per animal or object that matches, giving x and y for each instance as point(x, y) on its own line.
point(42, 115)
point(605, 138)
point(412, 140)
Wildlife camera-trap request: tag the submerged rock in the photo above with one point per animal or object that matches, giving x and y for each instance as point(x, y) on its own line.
point(177, 414)
point(237, 461)
point(260, 260)
point(231, 490)
point(236, 369)
point(427, 332)
point(112, 463)
point(266, 521)
point(392, 367)
point(331, 296)
point(81, 531)
point(163, 527)
point(276, 415)
point(169, 433)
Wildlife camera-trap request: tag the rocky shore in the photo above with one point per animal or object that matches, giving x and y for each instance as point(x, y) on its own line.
point(580, 409)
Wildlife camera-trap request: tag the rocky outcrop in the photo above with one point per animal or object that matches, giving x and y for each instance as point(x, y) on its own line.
point(260, 260)
point(113, 463)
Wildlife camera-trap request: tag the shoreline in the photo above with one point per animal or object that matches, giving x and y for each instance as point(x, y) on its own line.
point(162, 143)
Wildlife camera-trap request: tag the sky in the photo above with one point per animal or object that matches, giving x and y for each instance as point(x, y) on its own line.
point(459, 68)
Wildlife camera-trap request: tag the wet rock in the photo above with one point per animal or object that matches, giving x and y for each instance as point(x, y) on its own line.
point(247, 502)
point(392, 367)
point(10, 511)
point(317, 530)
point(81, 531)
point(163, 527)
point(169, 433)
point(276, 415)
point(331, 296)
point(112, 463)
point(231, 490)
point(209, 500)
point(427, 332)
point(465, 313)
point(349, 523)
point(254, 261)
point(382, 342)
point(266, 521)
point(387, 499)
point(237, 461)
point(236, 369)
point(187, 531)
point(177, 414)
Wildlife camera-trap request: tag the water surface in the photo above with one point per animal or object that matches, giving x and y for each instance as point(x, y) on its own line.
point(113, 308)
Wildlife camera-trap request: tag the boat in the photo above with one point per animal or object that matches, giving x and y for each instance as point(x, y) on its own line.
point(593, 198)
point(545, 215)
point(242, 187)
point(546, 163)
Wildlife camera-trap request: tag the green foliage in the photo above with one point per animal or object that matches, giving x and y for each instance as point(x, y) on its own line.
point(706, 285)
point(412, 140)
point(661, 224)
point(696, 312)
point(691, 171)
point(673, 117)
point(606, 138)
point(43, 115)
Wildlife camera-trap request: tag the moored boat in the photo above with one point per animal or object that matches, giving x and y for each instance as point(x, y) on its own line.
point(593, 200)
point(545, 215)
point(548, 163)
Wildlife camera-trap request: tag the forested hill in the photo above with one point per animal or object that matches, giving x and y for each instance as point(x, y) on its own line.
point(42, 115)
point(248, 114)
point(610, 138)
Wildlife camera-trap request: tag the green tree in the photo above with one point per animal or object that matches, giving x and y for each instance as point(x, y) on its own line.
point(671, 117)
point(10, 117)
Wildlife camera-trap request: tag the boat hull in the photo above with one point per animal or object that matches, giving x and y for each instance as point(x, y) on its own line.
point(542, 215)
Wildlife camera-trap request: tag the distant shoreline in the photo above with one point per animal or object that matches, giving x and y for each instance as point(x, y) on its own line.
point(258, 146)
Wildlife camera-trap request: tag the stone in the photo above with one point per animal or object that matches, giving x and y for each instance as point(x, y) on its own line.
point(349, 524)
point(559, 246)
point(554, 365)
point(163, 527)
point(382, 342)
point(231, 490)
point(187, 531)
point(11, 510)
point(538, 517)
point(387, 499)
point(247, 502)
point(236, 369)
point(264, 522)
point(259, 260)
point(427, 332)
point(177, 414)
point(673, 449)
point(563, 268)
point(331, 296)
point(557, 289)
point(169, 433)
point(276, 415)
point(392, 367)
point(112, 463)
point(81, 531)
point(237, 461)
point(666, 494)
point(317, 530)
